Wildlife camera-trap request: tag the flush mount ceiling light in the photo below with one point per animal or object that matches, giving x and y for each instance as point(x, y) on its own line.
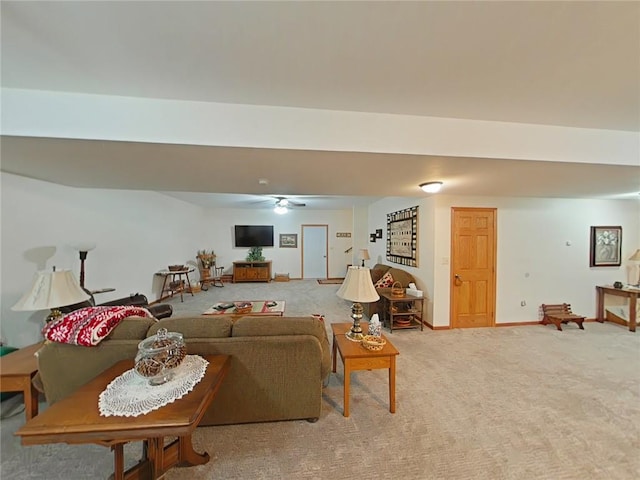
point(431, 187)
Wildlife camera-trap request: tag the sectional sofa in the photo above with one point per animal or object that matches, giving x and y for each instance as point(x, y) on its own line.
point(278, 364)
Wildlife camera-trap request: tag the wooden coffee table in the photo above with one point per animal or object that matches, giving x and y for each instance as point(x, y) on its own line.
point(17, 370)
point(76, 419)
point(356, 357)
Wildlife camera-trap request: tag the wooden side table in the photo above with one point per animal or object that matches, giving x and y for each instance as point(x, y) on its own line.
point(631, 294)
point(76, 419)
point(356, 357)
point(402, 312)
point(176, 284)
point(17, 370)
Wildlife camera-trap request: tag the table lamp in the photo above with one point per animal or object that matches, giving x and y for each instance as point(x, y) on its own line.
point(634, 271)
point(357, 288)
point(52, 290)
point(364, 255)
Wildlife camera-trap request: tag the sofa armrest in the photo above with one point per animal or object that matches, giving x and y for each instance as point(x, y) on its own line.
point(63, 368)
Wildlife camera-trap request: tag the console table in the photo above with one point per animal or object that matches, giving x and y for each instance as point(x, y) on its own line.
point(252, 271)
point(630, 293)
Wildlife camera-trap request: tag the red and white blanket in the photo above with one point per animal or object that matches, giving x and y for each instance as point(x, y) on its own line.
point(88, 326)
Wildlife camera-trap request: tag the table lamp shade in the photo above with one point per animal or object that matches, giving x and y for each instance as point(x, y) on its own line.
point(357, 286)
point(364, 254)
point(636, 256)
point(52, 290)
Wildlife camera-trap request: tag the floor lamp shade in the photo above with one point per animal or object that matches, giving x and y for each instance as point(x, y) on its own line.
point(52, 290)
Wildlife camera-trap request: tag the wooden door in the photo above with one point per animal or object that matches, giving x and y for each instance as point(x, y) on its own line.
point(473, 267)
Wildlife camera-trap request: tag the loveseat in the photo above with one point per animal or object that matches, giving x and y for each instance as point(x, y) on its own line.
point(278, 364)
point(377, 274)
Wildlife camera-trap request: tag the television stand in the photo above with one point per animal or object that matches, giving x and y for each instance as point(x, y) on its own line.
point(252, 271)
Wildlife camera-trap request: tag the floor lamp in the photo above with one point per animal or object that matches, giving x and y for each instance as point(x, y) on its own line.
point(83, 249)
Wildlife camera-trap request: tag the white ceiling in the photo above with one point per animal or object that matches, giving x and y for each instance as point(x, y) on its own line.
point(557, 63)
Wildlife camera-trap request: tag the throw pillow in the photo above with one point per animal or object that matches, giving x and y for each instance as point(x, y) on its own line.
point(385, 282)
point(88, 326)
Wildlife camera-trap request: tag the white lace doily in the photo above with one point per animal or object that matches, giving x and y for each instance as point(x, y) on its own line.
point(130, 395)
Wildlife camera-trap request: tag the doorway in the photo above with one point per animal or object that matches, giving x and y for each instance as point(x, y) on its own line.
point(473, 267)
point(314, 251)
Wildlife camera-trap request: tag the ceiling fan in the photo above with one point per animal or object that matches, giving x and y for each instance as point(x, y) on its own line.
point(283, 204)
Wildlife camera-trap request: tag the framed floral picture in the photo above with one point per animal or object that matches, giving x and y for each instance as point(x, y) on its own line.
point(605, 247)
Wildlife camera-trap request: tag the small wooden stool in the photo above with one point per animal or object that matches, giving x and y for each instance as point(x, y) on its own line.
point(559, 314)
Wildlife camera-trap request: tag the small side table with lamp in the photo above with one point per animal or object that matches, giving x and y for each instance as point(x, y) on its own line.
point(50, 290)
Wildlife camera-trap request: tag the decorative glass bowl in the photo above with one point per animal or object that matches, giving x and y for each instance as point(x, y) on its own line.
point(159, 355)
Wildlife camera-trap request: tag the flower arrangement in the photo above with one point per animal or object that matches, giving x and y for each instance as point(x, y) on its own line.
point(207, 259)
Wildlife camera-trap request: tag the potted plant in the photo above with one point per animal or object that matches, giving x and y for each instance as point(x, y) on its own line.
point(255, 255)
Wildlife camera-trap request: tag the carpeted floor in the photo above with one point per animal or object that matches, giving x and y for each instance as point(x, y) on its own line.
point(515, 403)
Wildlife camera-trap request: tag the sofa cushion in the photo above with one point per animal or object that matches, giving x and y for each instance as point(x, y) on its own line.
point(195, 327)
point(386, 281)
point(279, 326)
point(266, 326)
point(132, 328)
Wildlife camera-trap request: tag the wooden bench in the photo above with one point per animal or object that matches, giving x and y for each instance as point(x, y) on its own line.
point(559, 314)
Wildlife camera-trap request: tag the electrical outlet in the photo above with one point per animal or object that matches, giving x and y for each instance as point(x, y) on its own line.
point(523, 303)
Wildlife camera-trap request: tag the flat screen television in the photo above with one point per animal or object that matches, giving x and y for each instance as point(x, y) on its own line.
point(254, 235)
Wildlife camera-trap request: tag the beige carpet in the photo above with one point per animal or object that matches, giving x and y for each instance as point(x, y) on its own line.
point(505, 403)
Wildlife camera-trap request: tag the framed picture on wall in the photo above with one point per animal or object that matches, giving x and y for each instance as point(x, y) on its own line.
point(402, 237)
point(288, 240)
point(605, 247)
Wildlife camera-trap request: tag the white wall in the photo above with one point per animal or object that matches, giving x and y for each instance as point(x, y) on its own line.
point(137, 234)
point(73, 115)
point(218, 235)
point(534, 263)
point(423, 273)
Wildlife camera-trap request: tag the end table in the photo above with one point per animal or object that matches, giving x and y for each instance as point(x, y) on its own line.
point(17, 370)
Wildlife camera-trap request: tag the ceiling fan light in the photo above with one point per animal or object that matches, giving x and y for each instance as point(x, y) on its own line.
point(283, 202)
point(431, 187)
point(280, 210)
